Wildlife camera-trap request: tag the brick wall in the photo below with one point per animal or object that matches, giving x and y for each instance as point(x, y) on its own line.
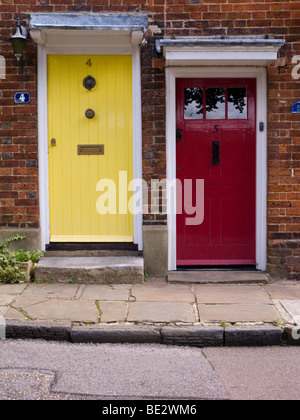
point(18, 123)
point(18, 132)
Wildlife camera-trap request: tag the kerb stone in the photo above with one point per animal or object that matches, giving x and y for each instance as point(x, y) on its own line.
point(34, 330)
point(115, 335)
point(253, 336)
point(193, 336)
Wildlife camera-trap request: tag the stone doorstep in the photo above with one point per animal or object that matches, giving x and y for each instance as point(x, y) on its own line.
point(217, 276)
point(91, 270)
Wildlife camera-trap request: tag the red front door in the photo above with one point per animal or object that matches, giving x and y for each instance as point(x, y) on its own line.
point(215, 142)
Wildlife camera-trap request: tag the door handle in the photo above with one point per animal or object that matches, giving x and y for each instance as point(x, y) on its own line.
point(178, 134)
point(215, 153)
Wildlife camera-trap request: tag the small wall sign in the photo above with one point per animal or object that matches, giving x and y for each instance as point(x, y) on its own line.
point(296, 108)
point(22, 98)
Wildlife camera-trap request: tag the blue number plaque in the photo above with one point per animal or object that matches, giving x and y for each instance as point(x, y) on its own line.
point(296, 108)
point(22, 98)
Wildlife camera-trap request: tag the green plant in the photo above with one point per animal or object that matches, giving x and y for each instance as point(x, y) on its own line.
point(24, 256)
point(10, 266)
point(11, 261)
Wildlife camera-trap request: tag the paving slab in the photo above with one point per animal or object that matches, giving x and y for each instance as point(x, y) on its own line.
point(12, 289)
point(14, 314)
point(161, 312)
point(66, 291)
point(3, 309)
point(283, 290)
point(229, 293)
point(113, 311)
point(24, 301)
point(106, 292)
point(293, 308)
point(6, 299)
point(238, 313)
point(163, 293)
point(58, 309)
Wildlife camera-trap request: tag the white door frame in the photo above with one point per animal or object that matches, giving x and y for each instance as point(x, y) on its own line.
point(260, 74)
point(57, 48)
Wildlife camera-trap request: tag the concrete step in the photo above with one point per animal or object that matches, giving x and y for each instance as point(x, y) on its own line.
point(91, 269)
point(217, 276)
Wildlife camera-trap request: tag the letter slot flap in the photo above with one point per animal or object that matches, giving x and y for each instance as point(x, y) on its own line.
point(90, 149)
point(215, 153)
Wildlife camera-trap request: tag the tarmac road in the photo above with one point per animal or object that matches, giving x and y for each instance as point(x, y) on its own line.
point(32, 369)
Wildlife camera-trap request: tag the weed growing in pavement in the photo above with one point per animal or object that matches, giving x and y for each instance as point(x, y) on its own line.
point(11, 262)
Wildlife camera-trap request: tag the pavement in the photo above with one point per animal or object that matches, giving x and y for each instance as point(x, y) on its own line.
point(199, 315)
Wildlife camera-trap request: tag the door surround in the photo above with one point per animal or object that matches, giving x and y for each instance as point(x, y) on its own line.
point(102, 42)
point(258, 73)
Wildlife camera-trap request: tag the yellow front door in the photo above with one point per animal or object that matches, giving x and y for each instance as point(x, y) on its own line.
point(90, 141)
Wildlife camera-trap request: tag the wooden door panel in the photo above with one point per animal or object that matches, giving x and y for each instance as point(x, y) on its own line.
point(227, 234)
point(73, 177)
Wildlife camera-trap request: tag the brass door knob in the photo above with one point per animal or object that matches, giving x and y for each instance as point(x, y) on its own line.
point(89, 113)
